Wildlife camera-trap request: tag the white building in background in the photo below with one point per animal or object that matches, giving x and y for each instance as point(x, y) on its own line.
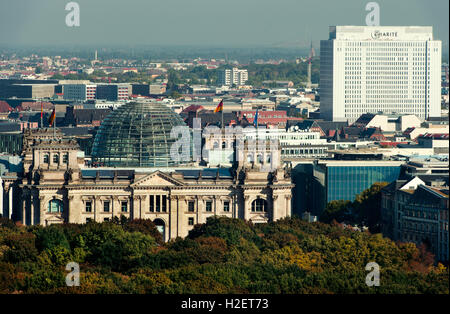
point(372, 69)
point(294, 142)
point(292, 136)
point(239, 77)
point(234, 76)
point(104, 104)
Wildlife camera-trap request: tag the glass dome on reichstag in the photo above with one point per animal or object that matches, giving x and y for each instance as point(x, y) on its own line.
point(137, 134)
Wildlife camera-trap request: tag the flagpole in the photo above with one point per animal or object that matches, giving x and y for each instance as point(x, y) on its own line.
point(42, 113)
point(222, 119)
point(221, 125)
point(54, 125)
point(223, 133)
point(257, 123)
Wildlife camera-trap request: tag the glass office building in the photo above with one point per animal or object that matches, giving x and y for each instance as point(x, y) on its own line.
point(11, 143)
point(345, 179)
point(344, 183)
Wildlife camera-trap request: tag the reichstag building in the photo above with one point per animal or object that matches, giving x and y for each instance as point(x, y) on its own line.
point(132, 174)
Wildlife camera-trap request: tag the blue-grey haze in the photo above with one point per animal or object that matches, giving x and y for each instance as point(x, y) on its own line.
point(209, 23)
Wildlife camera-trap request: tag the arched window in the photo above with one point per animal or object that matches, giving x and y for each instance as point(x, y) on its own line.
point(224, 145)
point(259, 205)
point(46, 159)
point(250, 158)
point(55, 206)
point(56, 158)
point(216, 145)
point(260, 159)
point(160, 226)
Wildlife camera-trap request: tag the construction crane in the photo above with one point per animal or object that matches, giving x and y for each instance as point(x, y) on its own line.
point(312, 54)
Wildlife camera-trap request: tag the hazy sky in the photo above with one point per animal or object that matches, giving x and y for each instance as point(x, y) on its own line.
point(235, 23)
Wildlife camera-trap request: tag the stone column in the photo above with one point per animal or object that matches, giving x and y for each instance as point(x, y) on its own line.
point(24, 207)
point(114, 204)
point(215, 205)
point(71, 213)
point(201, 216)
point(42, 210)
point(142, 206)
point(235, 206)
point(167, 203)
point(180, 214)
point(31, 209)
point(247, 207)
point(135, 207)
point(288, 205)
point(96, 207)
point(173, 216)
point(275, 214)
point(10, 201)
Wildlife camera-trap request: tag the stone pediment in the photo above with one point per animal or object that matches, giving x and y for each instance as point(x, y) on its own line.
point(259, 219)
point(157, 178)
point(54, 220)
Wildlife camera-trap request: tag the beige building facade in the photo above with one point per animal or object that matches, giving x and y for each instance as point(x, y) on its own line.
point(57, 187)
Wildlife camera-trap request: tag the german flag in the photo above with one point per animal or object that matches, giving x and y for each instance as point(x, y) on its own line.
point(219, 107)
point(51, 120)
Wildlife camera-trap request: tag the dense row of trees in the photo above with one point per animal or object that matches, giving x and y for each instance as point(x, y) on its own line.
point(365, 210)
point(153, 53)
point(257, 74)
point(101, 76)
point(286, 71)
point(222, 256)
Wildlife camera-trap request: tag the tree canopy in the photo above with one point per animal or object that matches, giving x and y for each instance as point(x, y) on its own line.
point(222, 256)
point(365, 210)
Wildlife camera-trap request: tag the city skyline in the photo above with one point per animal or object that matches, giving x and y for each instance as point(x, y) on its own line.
point(224, 149)
point(288, 23)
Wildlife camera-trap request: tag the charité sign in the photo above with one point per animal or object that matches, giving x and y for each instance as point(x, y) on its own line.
point(383, 35)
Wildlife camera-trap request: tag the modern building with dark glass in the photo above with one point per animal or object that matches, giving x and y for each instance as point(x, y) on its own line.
point(137, 134)
point(345, 179)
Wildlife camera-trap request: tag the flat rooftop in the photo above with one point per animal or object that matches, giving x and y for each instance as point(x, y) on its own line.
point(381, 33)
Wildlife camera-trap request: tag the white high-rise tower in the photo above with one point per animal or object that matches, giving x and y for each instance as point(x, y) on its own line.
point(389, 69)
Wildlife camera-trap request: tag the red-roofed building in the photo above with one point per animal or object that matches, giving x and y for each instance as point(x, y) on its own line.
point(265, 117)
point(193, 108)
point(36, 106)
point(437, 141)
point(414, 133)
point(436, 136)
point(4, 107)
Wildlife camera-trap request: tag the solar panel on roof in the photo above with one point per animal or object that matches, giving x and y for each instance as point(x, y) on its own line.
point(225, 173)
point(89, 173)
